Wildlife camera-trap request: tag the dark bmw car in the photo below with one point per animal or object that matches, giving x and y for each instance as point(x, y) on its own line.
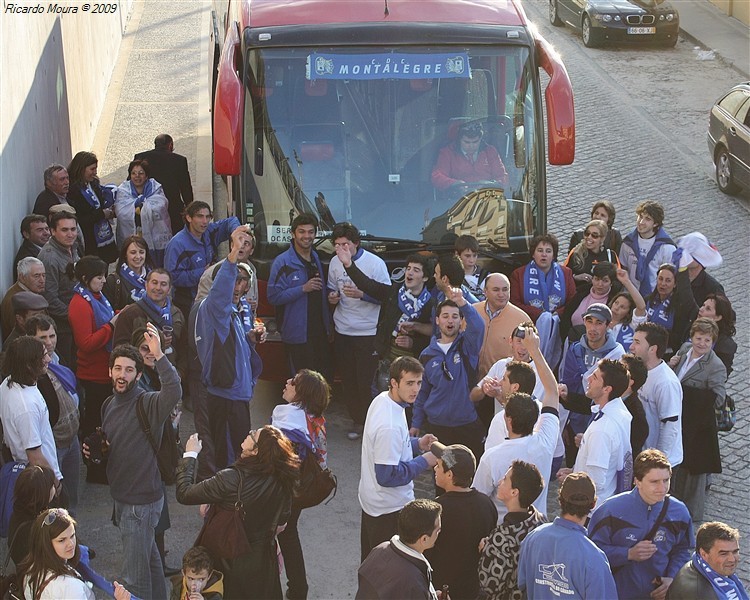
point(729, 139)
point(600, 21)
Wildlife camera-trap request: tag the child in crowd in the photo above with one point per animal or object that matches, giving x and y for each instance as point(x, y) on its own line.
point(198, 580)
point(467, 250)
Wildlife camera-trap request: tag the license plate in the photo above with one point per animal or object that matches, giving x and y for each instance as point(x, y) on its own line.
point(641, 30)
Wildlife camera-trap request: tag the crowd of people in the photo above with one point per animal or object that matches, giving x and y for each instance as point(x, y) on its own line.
point(605, 372)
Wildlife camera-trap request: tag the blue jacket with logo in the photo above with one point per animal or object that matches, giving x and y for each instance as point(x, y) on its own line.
point(186, 258)
point(623, 521)
point(231, 365)
point(558, 561)
point(288, 275)
point(443, 401)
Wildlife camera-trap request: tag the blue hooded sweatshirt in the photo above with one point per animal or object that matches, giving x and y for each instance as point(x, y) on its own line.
point(231, 365)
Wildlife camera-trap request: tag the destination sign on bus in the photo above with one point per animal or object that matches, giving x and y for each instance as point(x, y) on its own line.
point(388, 66)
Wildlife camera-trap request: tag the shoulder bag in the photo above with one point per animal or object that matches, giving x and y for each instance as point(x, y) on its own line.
point(315, 482)
point(223, 532)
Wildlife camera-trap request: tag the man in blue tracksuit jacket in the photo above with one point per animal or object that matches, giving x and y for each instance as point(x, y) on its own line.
point(450, 361)
point(296, 287)
point(193, 249)
point(225, 340)
point(644, 552)
point(557, 560)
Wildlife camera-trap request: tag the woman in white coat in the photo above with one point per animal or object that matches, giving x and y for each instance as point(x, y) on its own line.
point(142, 209)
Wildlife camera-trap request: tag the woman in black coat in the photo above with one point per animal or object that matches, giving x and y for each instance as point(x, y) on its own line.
point(94, 207)
point(269, 471)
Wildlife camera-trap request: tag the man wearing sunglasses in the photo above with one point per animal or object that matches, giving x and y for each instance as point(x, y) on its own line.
point(451, 360)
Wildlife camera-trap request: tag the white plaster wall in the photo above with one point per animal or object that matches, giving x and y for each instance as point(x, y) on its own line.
point(54, 74)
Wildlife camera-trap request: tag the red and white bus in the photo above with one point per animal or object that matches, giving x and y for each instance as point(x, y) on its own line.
point(340, 108)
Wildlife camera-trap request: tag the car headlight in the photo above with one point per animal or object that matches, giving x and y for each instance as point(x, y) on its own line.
point(617, 18)
point(670, 17)
point(603, 18)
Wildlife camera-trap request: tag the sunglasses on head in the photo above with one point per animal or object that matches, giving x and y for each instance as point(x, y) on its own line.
point(52, 515)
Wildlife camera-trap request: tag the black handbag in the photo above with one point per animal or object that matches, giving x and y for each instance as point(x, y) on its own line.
point(315, 482)
point(10, 586)
point(725, 416)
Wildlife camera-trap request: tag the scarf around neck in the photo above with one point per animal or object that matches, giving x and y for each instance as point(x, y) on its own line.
point(103, 312)
point(658, 312)
point(725, 588)
point(540, 293)
point(136, 282)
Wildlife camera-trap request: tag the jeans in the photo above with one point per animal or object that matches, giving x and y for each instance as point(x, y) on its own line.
point(142, 572)
point(69, 461)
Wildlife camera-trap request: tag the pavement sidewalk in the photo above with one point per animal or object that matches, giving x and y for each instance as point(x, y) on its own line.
point(705, 25)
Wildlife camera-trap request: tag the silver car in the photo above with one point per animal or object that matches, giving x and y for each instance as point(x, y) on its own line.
point(729, 139)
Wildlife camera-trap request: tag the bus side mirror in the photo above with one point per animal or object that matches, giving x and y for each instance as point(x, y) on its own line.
point(561, 120)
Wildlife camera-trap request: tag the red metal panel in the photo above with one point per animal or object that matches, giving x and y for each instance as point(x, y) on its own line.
point(228, 108)
point(266, 13)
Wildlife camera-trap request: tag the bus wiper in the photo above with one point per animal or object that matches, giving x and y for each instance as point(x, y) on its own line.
point(388, 240)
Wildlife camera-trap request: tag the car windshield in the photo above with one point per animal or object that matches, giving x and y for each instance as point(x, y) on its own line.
point(417, 144)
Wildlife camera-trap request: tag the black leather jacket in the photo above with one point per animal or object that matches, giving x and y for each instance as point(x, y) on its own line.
point(263, 497)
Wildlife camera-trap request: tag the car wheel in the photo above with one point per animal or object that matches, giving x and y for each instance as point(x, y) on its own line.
point(554, 18)
point(590, 36)
point(724, 178)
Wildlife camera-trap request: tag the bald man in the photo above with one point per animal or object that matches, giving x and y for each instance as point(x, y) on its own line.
point(500, 319)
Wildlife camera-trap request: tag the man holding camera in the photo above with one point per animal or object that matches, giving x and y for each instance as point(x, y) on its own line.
point(136, 485)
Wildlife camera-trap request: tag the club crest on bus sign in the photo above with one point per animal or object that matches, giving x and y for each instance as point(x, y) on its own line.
point(455, 65)
point(323, 66)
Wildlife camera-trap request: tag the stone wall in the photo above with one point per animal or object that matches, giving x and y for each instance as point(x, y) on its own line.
point(56, 68)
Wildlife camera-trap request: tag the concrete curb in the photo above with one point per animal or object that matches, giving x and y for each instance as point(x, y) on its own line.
point(727, 61)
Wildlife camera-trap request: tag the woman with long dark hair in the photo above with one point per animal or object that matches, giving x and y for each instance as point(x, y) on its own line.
point(94, 206)
point(718, 308)
point(92, 321)
point(265, 475)
point(49, 570)
point(127, 284)
point(672, 305)
point(141, 208)
point(301, 419)
point(33, 493)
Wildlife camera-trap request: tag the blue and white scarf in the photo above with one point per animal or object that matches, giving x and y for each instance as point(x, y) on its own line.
point(410, 305)
point(537, 290)
point(103, 312)
point(66, 378)
point(725, 588)
point(245, 314)
point(624, 335)
point(137, 282)
point(148, 190)
point(658, 312)
point(161, 316)
point(103, 233)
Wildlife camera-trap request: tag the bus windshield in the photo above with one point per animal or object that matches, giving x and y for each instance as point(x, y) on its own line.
point(420, 144)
